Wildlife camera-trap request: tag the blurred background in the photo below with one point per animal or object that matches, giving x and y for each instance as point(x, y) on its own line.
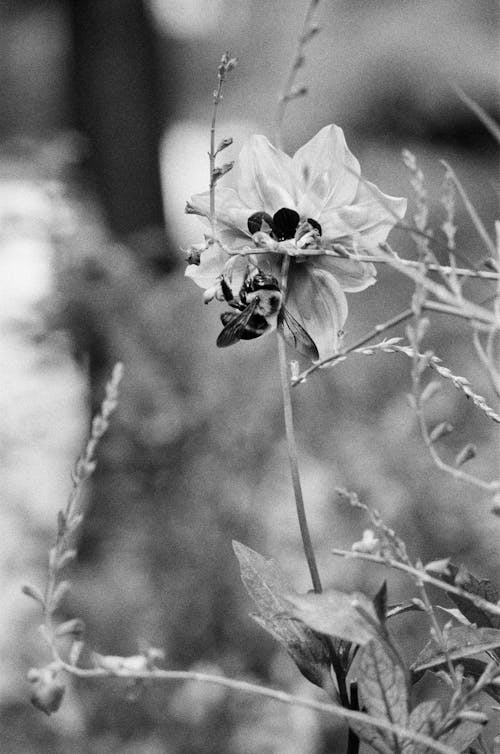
point(91, 271)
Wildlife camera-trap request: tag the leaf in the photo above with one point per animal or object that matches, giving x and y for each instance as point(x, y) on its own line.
point(75, 652)
point(74, 626)
point(468, 451)
point(455, 613)
point(34, 593)
point(58, 595)
point(461, 641)
point(405, 607)
point(462, 735)
point(380, 603)
point(351, 617)
point(267, 585)
point(370, 736)
point(481, 587)
point(311, 652)
point(424, 719)
point(430, 390)
point(383, 689)
point(440, 430)
point(438, 566)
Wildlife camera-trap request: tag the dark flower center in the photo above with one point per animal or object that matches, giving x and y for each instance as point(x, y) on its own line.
point(281, 226)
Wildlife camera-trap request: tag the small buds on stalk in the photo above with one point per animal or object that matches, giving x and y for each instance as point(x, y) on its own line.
point(217, 173)
point(34, 593)
point(495, 508)
point(226, 65)
point(225, 143)
point(430, 390)
point(466, 454)
point(440, 430)
point(47, 691)
point(300, 91)
point(142, 663)
point(368, 544)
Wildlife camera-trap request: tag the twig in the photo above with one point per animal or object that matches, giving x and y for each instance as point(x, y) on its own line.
point(227, 63)
point(478, 223)
point(69, 519)
point(415, 573)
point(396, 320)
point(486, 357)
point(478, 111)
point(468, 309)
point(289, 93)
point(251, 688)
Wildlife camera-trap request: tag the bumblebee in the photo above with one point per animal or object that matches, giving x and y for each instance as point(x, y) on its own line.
point(260, 310)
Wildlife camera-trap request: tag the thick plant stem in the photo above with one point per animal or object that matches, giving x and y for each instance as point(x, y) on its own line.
point(294, 468)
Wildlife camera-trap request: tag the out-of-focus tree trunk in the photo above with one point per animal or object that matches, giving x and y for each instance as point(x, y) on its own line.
point(116, 105)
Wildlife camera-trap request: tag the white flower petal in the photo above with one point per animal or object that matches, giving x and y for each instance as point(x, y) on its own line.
point(230, 211)
point(372, 215)
point(328, 173)
point(318, 303)
point(351, 275)
point(207, 273)
point(265, 176)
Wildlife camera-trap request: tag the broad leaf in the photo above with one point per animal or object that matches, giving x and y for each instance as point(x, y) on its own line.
point(481, 587)
point(267, 585)
point(351, 617)
point(370, 736)
point(461, 641)
point(383, 689)
point(425, 719)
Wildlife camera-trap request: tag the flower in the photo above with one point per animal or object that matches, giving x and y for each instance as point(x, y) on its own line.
point(314, 208)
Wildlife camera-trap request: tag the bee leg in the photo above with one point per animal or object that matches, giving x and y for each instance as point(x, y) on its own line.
point(226, 290)
point(228, 295)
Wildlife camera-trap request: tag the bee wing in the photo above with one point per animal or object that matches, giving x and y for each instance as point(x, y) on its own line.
point(296, 336)
point(235, 324)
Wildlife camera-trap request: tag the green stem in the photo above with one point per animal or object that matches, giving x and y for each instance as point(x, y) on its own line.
point(294, 468)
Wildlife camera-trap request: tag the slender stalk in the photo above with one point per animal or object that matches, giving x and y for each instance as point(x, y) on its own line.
point(289, 92)
point(294, 468)
point(211, 154)
point(422, 575)
point(336, 710)
point(396, 320)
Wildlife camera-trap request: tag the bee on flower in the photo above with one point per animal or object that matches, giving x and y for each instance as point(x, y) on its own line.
point(313, 208)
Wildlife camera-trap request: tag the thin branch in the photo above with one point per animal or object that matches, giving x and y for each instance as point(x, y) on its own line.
point(294, 467)
point(478, 223)
point(487, 121)
point(251, 688)
point(442, 269)
point(289, 93)
point(377, 330)
point(69, 519)
point(458, 474)
point(415, 573)
point(470, 310)
point(486, 357)
point(225, 66)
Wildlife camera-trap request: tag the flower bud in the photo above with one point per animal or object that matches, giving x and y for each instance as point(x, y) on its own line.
point(47, 691)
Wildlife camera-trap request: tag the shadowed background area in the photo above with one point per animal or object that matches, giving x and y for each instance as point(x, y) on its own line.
point(91, 272)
